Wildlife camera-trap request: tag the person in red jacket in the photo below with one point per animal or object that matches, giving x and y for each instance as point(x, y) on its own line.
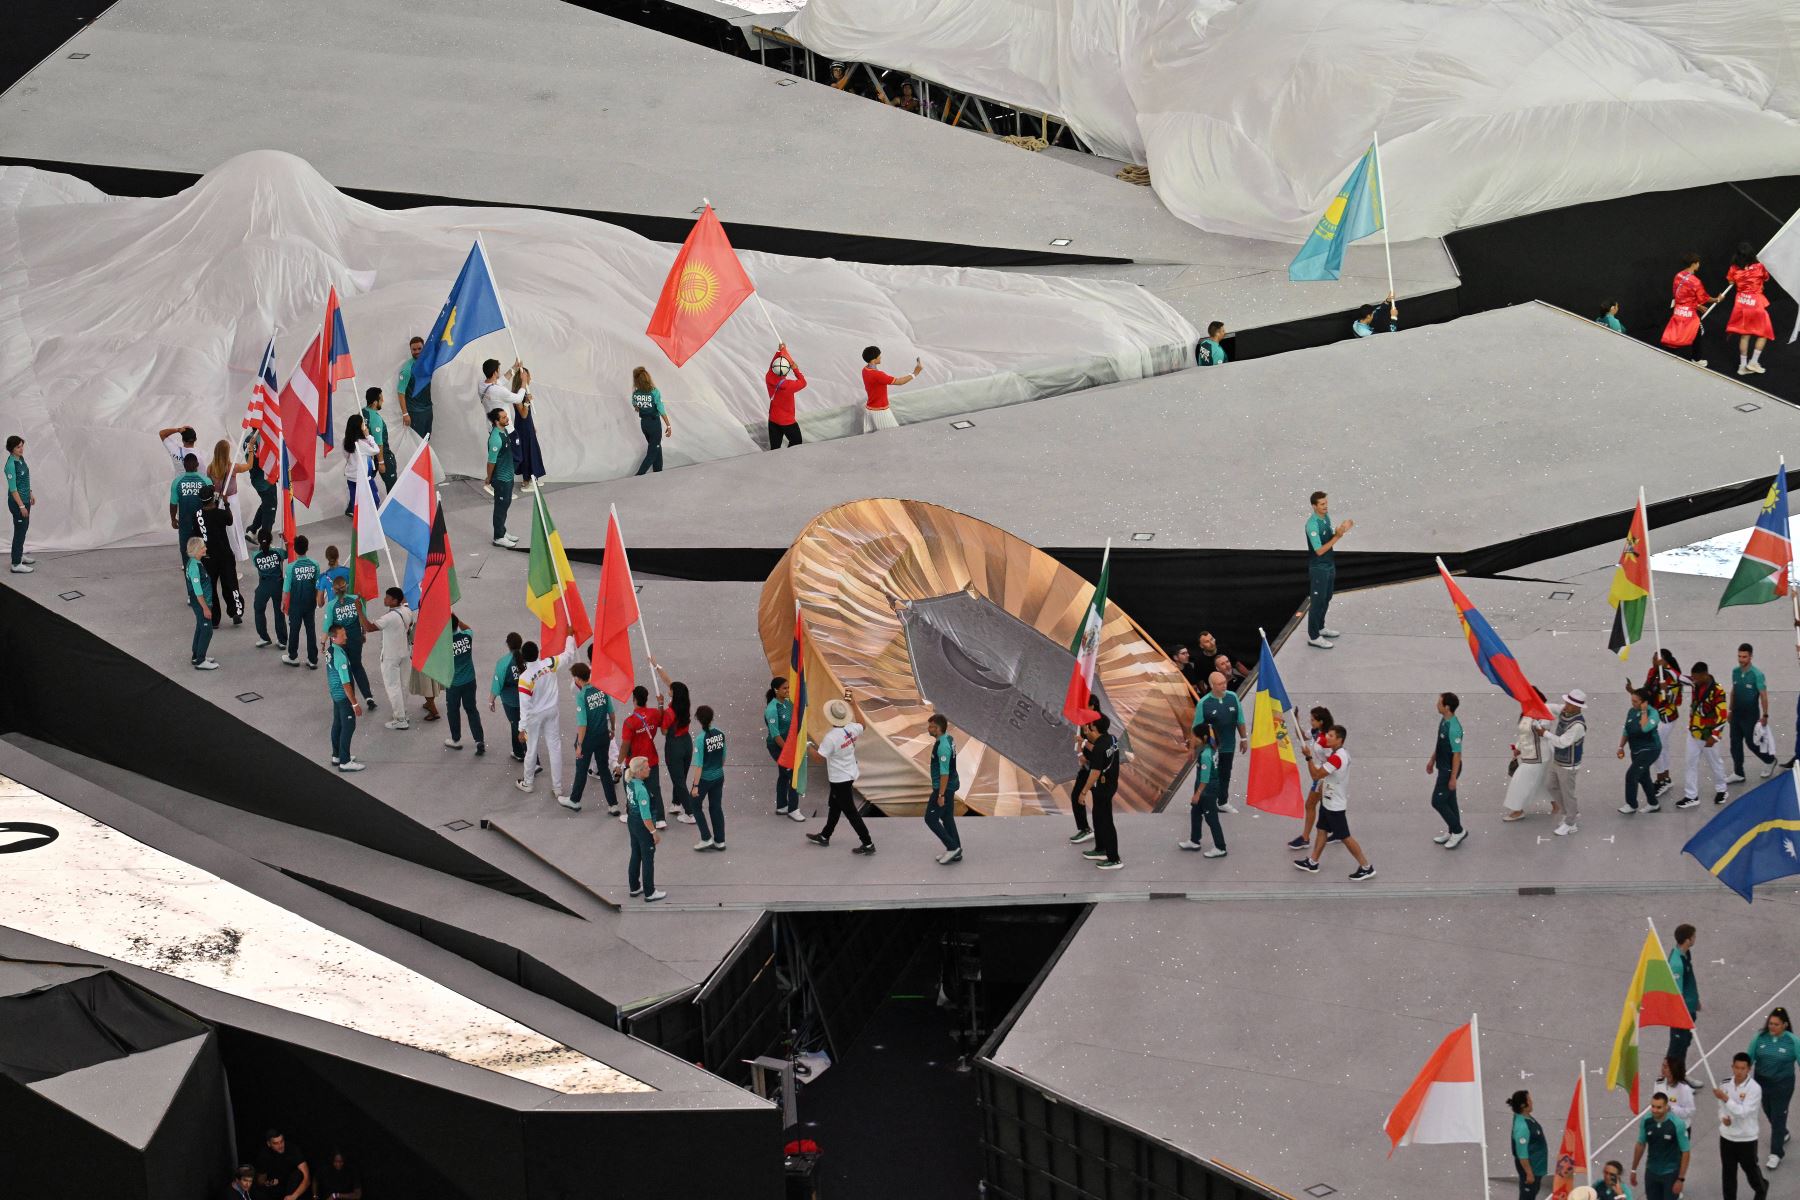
point(637, 739)
point(1682, 333)
point(784, 382)
point(1750, 311)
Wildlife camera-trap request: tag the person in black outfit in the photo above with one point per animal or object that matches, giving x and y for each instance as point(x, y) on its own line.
point(281, 1170)
point(213, 521)
point(338, 1180)
point(242, 1185)
point(1101, 764)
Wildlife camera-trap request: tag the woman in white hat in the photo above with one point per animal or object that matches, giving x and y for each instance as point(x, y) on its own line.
point(839, 750)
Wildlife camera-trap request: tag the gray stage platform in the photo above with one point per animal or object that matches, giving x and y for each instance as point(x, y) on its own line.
point(1442, 439)
point(1275, 1037)
point(542, 103)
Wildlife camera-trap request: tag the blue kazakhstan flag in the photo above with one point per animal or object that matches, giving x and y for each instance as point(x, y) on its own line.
point(1358, 211)
point(1756, 838)
point(472, 310)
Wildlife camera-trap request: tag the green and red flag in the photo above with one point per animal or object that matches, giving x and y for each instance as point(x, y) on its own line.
point(1084, 679)
point(1762, 573)
point(1652, 999)
point(1630, 592)
point(438, 592)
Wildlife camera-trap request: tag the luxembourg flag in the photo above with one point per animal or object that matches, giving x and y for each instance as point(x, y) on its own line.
point(1444, 1102)
point(407, 515)
point(1078, 703)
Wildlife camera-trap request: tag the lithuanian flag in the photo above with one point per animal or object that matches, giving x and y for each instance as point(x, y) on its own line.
point(1762, 574)
point(1630, 591)
point(550, 589)
point(1274, 770)
point(1652, 999)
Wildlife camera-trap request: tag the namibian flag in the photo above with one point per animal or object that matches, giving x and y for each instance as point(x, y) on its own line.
point(1762, 574)
point(550, 588)
point(793, 751)
point(1652, 999)
point(1491, 655)
point(1630, 591)
point(1274, 769)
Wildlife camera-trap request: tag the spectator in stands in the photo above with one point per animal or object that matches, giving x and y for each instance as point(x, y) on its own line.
point(505, 689)
point(461, 700)
point(344, 709)
point(1100, 756)
point(1365, 323)
point(415, 411)
point(195, 556)
point(499, 481)
point(784, 382)
point(653, 418)
point(708, 784)
point(877, 414)
point(840, 78)
point(300, 600)
point(907, 99)
point(213, 524)
point(838, 748)
point(242, 1185)
point(338, 1180)
point(1207, 655)
point(1609, 317)
point(281, 1170)
point(1184, 662)
point(642, 824)
point(1750, 311)
point(396, 626)
point(1211, 350)
point(940, 808)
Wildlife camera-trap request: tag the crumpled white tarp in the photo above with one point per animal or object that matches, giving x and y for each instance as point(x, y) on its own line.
point(119, 316)
point(1250, 113)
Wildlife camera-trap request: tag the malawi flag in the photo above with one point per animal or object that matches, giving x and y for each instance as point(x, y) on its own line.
point(1444, 1102)
point(550, 588)
point(1652, 999)
point(438, 591)
point(1630, 591)
point(793, 751)
point(1078, 704)
point(1274, 770)
point(366, 542)
point(1491, 655)
point(615, 612)
point(704, 287)
point(1762, 574)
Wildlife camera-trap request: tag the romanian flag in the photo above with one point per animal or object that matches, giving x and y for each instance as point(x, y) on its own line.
point(1491, 655)
point(615, 612)
point(1274, 771)
point(550, 588)
point(793, 751)
point(1762, 574)
point(1573, 1153)
point(705, 286)
point(1754, 839)
point(1630, 591)
point(1652, 999)
point(438, 592)
point(366, 541)
point(1444, 1102)
point(1357, 211)
point(1084, 680)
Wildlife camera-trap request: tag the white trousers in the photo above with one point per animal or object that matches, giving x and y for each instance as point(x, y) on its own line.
point(1713, 756)
point(543, 742)
point(1526, 783)
point(393, 680)
point(879, 418)
point(1668, 742)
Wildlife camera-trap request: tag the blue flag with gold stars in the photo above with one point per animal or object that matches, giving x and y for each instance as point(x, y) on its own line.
point(1754, 839)
point(472, 311)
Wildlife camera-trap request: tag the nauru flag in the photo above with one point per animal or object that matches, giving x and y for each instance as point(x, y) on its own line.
point(1444, 1102)
point(1274, 770)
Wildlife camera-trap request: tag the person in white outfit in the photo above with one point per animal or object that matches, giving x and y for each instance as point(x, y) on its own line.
point(1673, 1083)
point(1563, 738)
point(1527, 780)
point(540, 716)
point(1740, 1124)
point(396, 625)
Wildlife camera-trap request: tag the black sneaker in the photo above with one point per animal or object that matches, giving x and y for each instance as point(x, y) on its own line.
point(1719, 798)
point(1093, 854)
point(1298, 843)
point(1662, 785)
point(818, 839)
point(480, 749)
point(1307, 865)
point(865, 848)
point(1362, 873)
point(1687, 802)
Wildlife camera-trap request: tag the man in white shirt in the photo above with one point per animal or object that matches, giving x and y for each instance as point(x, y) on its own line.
point(839, 750)
point(1328, 771)
point(1563, 738)
point(1740, 1124)
point(178, 441)
point(540, 716)
point(396, 625)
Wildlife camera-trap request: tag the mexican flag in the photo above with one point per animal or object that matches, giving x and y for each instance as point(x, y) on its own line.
point(1630, 591)
point(1652, 999)
point(1078, 707)
point(1762, 574)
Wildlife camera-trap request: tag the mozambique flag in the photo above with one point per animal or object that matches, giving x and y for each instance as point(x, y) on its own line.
point(705, 286)
point(438, 592)
point(1631, 586)
point(1084, 680)
point(1274, 769)
point(1753, 839)
point(1762, 574)
point(1492, 657)
point(793, 751)
point(1357, 211)
point(550, 588)
point(1652, 999)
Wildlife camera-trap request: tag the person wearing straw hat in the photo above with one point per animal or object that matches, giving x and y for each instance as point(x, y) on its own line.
point(1563, 738)
point(841, 771)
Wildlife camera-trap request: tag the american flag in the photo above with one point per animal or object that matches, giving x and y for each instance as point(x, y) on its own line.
point(264, 414)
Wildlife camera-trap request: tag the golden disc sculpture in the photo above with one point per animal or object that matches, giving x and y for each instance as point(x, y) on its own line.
point(918, 609)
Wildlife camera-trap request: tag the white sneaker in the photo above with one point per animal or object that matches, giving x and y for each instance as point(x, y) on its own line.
point(528, 486)
point(1441, 838)
point(949, 856)
point(662, 824)
point(1774, 1161)
point(32, 562)
point(511, 540)
point(524, 785)
point(206, 664)
point(452, 744)
point(399, 724)
point(624, 817)
point(1455, 840)
point(1212, 852)
point(571, 805)
point(20, 568)
point(290, 660)
point(1318, 643)
point(1756, 368)
point(795, 814)
point(1734, 777)
point(1743, 369)
point(1701, 363)
point(1768, 769)
point(1184, 844)
point(352, 765)
point(502, 542)
point(1625, 810)
point(1330, 633)
point(685, 819)
point(705, 845)
point(659, 894)
point(1227, 808)
point(487, 489)
point(1563, 830)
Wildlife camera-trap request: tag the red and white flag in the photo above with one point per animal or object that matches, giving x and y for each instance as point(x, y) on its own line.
point(264, 414)
point(301, 397)
point(615, 612)
point(1444, 1102)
